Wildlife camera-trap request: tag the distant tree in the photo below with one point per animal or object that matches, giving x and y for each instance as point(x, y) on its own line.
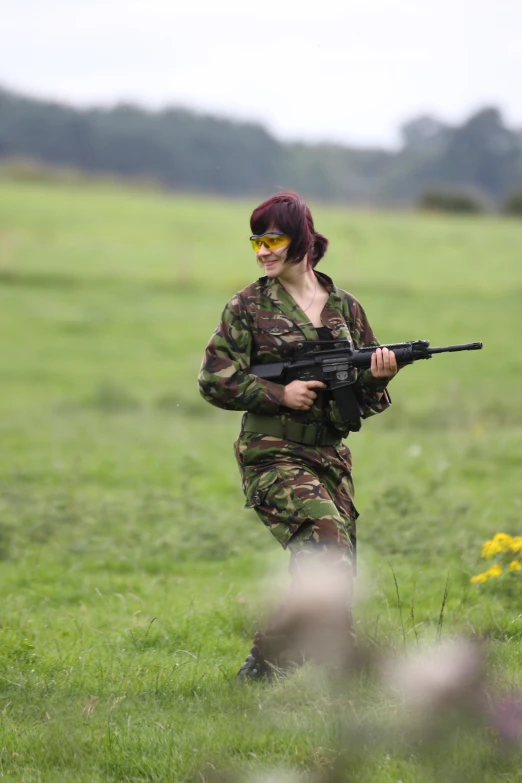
point(513, 204)
point(187, 150)
point(423, 132)
point(484, 153)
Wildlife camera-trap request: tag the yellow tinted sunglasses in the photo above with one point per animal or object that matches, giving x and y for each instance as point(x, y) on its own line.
point(271, 240)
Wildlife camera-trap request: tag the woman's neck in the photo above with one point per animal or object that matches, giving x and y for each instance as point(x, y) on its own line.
point(298, 278)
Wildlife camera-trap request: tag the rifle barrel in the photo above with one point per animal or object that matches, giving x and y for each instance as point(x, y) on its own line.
point(452, 348)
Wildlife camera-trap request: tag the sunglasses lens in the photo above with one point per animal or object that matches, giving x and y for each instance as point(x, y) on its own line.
point(270, 241)
point(276, 240)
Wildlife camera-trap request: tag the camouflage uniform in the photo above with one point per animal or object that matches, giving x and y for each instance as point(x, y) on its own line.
point(302, 491)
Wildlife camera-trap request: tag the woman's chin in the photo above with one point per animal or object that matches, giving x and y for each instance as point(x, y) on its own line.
point(271, 270)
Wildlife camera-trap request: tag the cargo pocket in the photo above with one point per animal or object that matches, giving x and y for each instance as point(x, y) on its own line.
point(267, 494)
point(258, 487)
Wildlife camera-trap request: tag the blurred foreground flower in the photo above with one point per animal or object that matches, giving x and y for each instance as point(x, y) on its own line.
point(448, 674)
point(506, 718)
point(314, 621)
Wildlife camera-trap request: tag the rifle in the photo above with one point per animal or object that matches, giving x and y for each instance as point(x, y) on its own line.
point(334, 362)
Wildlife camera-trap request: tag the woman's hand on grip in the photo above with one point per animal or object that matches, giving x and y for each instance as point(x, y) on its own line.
point(299, 395)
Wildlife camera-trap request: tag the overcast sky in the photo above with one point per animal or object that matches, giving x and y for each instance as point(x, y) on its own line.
point(348, 71)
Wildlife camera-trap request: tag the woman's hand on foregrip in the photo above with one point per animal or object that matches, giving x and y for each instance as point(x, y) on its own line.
point(299, 395)
point(384, 363)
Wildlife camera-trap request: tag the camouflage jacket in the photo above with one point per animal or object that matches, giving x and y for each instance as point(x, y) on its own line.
point(259, 325)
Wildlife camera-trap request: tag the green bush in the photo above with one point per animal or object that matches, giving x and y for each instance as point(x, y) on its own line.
point(513, 204)
point(458, 201)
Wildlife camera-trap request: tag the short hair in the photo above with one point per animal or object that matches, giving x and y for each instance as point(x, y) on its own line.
point(288, 213)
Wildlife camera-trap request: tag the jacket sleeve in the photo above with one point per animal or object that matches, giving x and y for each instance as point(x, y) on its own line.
point(223, 379)
point(371, 391)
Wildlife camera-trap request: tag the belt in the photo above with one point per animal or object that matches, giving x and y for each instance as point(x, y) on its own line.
point(287, 429)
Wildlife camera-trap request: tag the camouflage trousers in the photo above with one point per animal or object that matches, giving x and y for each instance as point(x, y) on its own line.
point(303, 494)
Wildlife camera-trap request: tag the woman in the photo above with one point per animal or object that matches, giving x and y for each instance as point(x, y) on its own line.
point(296, 472)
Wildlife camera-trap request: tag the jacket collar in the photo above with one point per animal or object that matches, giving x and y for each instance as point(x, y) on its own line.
point(332, 315)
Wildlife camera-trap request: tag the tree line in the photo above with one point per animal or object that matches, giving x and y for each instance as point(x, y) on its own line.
point(189, 151)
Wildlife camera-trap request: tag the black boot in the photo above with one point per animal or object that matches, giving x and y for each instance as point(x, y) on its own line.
point(255, 667)
point(270, 655)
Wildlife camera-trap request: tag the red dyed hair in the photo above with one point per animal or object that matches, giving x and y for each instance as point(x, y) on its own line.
point(288, 213)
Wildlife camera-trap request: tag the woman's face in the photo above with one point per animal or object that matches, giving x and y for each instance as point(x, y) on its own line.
point(273, 261)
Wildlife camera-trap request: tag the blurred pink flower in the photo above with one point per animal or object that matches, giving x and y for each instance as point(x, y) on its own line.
point(506, 718)
point(446, 674)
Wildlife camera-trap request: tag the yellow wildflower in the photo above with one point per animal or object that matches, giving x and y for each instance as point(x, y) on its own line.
point(494, 571)
point(479, 579)
point(516, 544)
point(502, 540)
point(490, 549)
point(514, 566)
point(500, 543)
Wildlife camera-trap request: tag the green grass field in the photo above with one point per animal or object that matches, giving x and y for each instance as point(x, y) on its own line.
point(132, 576)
